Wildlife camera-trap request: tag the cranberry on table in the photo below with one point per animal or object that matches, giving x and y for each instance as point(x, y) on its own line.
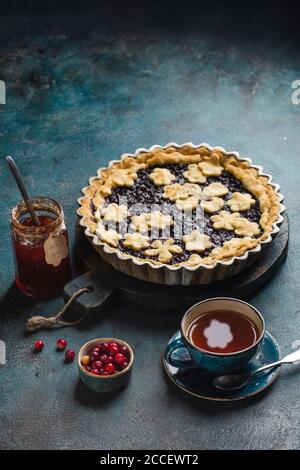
point(61, 344)
point(69, 355)
point(38, 345)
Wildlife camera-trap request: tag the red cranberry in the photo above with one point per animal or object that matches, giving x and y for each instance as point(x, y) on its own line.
point(119, 359)
point(103, 358)
point(105, 373)
point(69, 355)
point(95, 354)
point(95, 371)
point(124, 365)
point(110, 359)
point(61, 344)
point(96, 350)
point(38, 345)
point(102, 348)
point(124, 350)
point(110, 368)
point(112, 349)
point(97, 364)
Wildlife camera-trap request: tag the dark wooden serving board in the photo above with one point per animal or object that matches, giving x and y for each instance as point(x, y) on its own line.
point(106, 282)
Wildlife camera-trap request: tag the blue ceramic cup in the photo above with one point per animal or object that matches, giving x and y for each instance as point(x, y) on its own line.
point(183, 353)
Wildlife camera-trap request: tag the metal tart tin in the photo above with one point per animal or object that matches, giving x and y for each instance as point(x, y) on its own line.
point(145, 270)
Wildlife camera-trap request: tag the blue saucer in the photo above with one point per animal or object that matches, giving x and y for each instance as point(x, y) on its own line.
point(198, 383)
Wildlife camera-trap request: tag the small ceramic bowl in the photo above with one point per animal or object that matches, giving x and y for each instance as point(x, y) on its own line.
point(105, 383)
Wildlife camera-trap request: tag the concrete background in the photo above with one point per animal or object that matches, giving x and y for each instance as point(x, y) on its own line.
point(82, 88)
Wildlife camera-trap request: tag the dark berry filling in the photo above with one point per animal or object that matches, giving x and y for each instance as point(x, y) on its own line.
point(145, 193)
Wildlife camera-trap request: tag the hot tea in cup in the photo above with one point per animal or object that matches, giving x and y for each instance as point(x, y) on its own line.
point(220, 335)
point(222, 331)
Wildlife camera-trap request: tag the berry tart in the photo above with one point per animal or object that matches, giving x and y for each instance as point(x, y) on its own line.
point(189, 214)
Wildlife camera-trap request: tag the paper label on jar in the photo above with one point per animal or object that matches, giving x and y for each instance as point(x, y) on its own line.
point(56, 249)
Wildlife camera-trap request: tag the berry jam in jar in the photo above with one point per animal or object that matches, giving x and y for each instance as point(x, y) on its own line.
point(41, 252)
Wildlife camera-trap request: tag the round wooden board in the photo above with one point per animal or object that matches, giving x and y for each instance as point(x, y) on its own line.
point(106, 280)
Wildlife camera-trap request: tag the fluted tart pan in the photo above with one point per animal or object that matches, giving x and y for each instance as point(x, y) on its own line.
point(219, 264)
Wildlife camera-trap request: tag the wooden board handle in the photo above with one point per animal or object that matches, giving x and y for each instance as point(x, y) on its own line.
point(102, 287)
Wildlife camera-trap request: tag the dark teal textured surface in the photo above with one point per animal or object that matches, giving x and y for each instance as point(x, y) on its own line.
point(81, 91)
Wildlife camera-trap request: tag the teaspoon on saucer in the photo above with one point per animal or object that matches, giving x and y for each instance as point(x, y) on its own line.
point(236, 381)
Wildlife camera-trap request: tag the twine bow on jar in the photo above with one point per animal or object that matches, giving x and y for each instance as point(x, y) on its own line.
point(38, 322)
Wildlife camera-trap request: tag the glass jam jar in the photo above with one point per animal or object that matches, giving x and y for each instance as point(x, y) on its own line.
point(41, 253)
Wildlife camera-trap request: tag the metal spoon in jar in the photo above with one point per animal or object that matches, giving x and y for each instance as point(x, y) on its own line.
point(18, 178)
point(236, 381)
